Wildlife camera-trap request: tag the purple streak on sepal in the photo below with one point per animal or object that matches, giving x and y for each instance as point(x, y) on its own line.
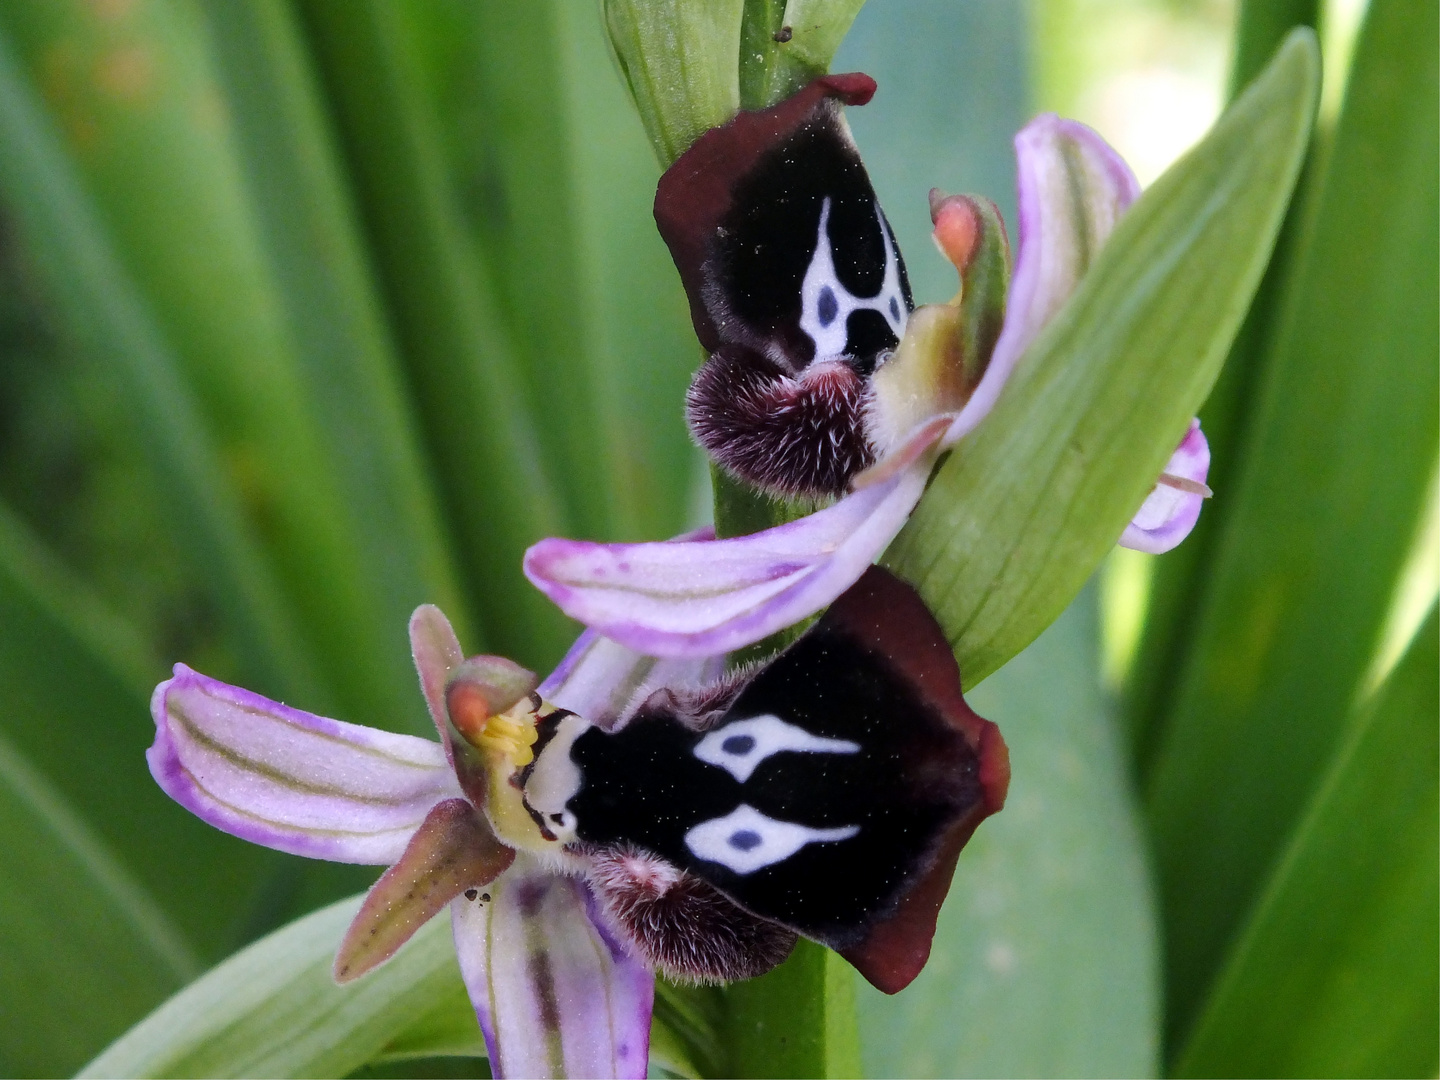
point(1168, 514)
point(553, 994)
point(289, 779)
point(1054, 248)
point(694, 599)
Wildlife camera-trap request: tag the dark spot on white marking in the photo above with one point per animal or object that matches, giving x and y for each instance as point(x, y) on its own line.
point(471, 894)
point(738, 744)
point(745, 840)
point(894, 309)
point(827, 307)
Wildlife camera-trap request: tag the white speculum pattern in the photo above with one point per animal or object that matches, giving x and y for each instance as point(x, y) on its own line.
point(741, 746)
point(556, 779)
point(825, 304)
point(745, 840)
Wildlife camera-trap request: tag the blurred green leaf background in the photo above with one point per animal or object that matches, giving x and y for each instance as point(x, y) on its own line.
point(315, 310)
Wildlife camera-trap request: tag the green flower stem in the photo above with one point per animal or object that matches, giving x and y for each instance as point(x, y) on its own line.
point(690, 66)
point(798, 1020)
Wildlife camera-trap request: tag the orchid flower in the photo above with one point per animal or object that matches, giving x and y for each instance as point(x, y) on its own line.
point(700, 597)
point(554, 992)
point(626, 816)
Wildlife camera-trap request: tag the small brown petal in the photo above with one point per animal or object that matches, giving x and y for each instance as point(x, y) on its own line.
point(452, 850)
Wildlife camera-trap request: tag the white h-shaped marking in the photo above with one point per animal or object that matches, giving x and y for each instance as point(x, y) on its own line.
point(820, 277)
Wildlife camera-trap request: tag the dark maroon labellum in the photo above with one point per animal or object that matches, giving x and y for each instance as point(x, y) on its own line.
point(826, 794)
point(796, 288)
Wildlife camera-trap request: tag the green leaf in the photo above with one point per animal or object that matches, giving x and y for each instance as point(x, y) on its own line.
point(1321, 514)
point(100, 307)
point(1173, 584)
point(74, 685)
point(391, 550)
point(1046, 958)
point(680, 59)
point(274, 1010)
point(1022, 512)
point(1334, 973)
point(557, 180)
point(686, 1030)
point(462, 365)
point(84, 949)
point(1260, 27)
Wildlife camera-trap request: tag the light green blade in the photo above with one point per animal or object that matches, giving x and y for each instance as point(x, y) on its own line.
point(372, 486)
point(1334, 974)
point(463, 365)
point(1046, 959)
point(102, 310)
point(1177, 579)
point(556, 181)
point(74, 683)
point(1320, 515)
point(84, 948)
point(1026, 506)
point(273, 1009)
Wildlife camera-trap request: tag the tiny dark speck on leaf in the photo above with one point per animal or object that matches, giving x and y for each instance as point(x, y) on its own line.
point(783, 35)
